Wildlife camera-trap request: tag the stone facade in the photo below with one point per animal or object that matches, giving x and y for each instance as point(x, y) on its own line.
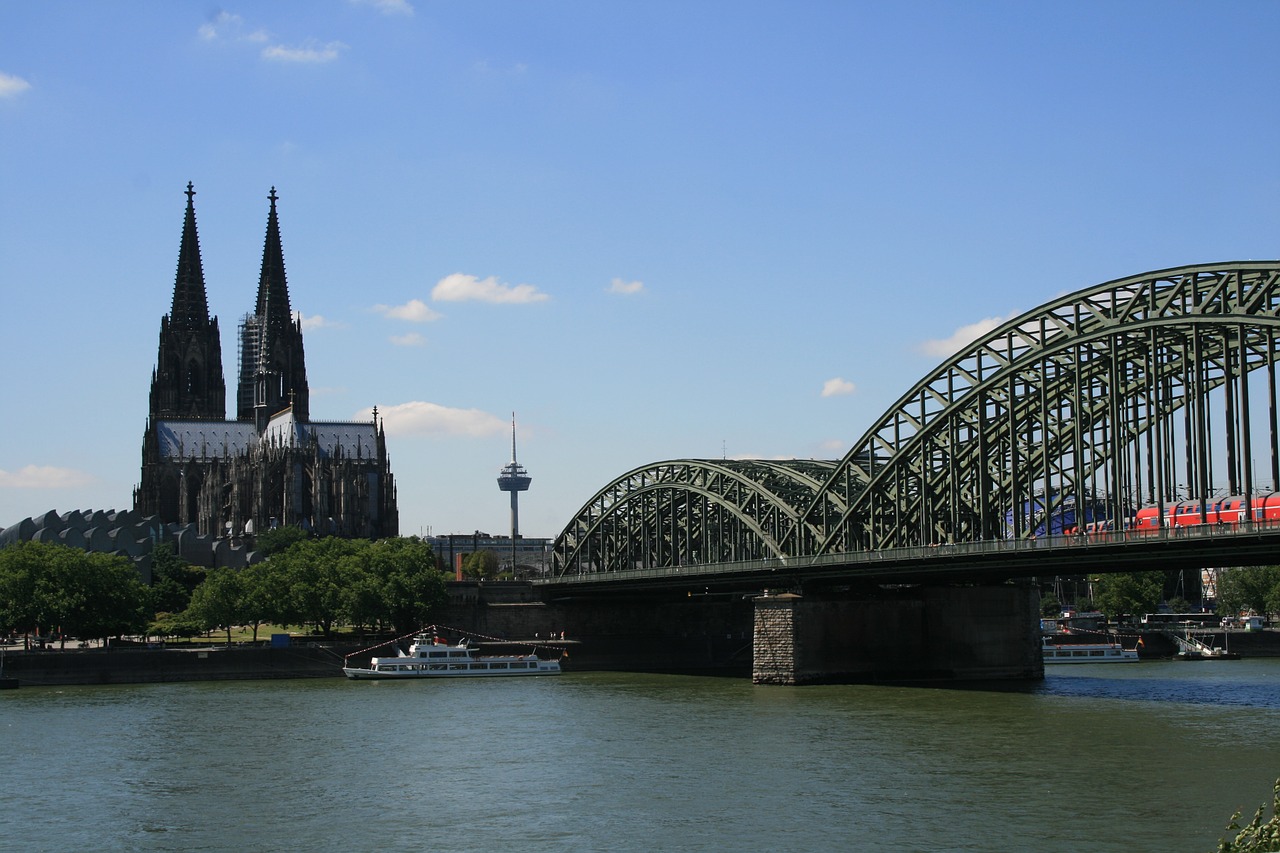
point(272, 465)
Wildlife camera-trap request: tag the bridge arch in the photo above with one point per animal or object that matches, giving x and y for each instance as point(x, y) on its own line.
point(1142, 390)
point(1101, 397)
point(693, 511)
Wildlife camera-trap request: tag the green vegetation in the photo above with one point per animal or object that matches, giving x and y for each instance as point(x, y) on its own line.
point(1128, 593)
point(1255, 588)
point(388, 584)
point(55, 589)
point(481, 565)
point(1257, 836)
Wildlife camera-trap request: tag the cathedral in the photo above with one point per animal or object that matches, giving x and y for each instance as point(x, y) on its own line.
point(272, 465)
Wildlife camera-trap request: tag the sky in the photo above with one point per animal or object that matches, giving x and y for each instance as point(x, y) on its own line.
point(651, 230)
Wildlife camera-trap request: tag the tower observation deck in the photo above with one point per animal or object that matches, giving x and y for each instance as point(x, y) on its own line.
point(514, 479)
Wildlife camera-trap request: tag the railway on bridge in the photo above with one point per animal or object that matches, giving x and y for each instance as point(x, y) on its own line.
point(1153, 391)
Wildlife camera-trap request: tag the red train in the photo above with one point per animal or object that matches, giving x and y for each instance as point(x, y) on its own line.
point(1230, 510)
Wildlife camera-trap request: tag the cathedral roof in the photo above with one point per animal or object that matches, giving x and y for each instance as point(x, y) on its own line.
point(204, 439)
point(218, 439)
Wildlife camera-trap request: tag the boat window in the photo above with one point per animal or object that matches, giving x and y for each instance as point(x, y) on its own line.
point(455, 666)
point(1096, 653)
point(437, 654)
point(479, 666)
point(1079, 654)
point(498, 665)
point(457, 654)
point(437, 666)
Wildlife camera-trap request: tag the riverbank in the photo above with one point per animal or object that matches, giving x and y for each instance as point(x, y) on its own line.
point(149, 666)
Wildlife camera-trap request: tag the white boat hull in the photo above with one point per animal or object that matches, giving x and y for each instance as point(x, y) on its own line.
point(430, 658)
point(543, 668)
point(1088, 653)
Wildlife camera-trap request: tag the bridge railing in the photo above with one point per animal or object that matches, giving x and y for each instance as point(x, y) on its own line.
point(919, 553)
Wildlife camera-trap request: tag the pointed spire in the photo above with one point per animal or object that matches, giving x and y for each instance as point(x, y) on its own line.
point(273, 287)
point(190, 305)
point(513, 438)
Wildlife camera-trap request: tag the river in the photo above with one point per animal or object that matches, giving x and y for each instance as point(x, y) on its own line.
point(1149, 756)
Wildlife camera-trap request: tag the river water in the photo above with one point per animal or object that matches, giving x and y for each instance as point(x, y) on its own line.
point(1149, 756)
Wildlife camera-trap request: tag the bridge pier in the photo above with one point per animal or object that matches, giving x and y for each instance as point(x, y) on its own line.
point(931, 633)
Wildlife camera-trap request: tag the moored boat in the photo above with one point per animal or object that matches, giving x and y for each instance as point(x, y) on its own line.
point(429, 657)
point(1086, 653)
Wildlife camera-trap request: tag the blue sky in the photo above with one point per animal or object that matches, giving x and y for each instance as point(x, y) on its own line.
point(653, 230)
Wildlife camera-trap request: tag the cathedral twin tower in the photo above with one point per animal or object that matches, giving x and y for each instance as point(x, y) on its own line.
point(272, 465)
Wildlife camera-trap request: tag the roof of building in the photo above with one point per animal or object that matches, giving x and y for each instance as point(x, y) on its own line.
point(222, 439)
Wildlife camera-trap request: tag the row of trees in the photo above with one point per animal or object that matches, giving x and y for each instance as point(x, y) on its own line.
point(53, 588)
point(388, 584)
point(1248, 588)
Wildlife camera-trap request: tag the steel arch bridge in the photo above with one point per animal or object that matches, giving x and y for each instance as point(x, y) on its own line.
point(1141, 391)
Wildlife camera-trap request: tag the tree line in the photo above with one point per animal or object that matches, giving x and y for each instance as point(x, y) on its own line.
point(389, 584)
point(1241, 589)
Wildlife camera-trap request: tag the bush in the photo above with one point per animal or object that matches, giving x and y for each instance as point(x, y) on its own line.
point(1256, 836)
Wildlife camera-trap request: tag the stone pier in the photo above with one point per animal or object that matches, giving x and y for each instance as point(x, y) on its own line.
point(943, 633)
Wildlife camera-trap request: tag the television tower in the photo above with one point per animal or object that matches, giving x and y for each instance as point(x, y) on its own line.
point(514, 479)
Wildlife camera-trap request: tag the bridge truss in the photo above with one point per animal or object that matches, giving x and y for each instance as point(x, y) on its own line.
point(1141, 391)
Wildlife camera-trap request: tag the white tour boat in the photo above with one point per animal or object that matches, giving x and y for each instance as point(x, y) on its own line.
point(1087, 653)
point(430, 658)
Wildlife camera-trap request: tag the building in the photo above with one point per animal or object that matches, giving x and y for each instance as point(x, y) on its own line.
point(272, 465)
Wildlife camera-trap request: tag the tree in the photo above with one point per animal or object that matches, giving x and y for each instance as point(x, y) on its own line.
point(279, 539)
point(82, 594)
point(481, 565)
point(1255, 588)
point(412, 586)
point(172, 579)
point(1128, 592)
point(317, 573)
point(219, 601)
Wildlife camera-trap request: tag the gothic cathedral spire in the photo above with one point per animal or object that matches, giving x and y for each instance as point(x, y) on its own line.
point(188, 381)
point(273, 372)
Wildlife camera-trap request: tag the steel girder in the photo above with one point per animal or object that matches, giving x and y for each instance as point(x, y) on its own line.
point(1073, 401)
point(692, 511)
point(1105, 397)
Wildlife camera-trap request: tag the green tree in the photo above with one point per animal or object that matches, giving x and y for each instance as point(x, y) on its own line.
point(57, 588)
point(172, 579)
point(412, 586)
point(219, 601)
point(1128, 593)
point(279, 539)
point(317, 573)
point(21, 566)
point(263, 595)
point(1255, 588)
point(481, 565)
point(174, 625)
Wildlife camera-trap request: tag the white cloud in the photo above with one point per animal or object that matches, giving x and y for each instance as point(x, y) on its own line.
point(386, 7)
point(626, 287)
point(415, 311)
point(436, 421)
point(837, 387)
point(11, 86)
point(316, 321)
point(462, 288)
point(313, 54)
point(44, 477)
point(961, 337)
point(413, 339)
point(228, 26)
